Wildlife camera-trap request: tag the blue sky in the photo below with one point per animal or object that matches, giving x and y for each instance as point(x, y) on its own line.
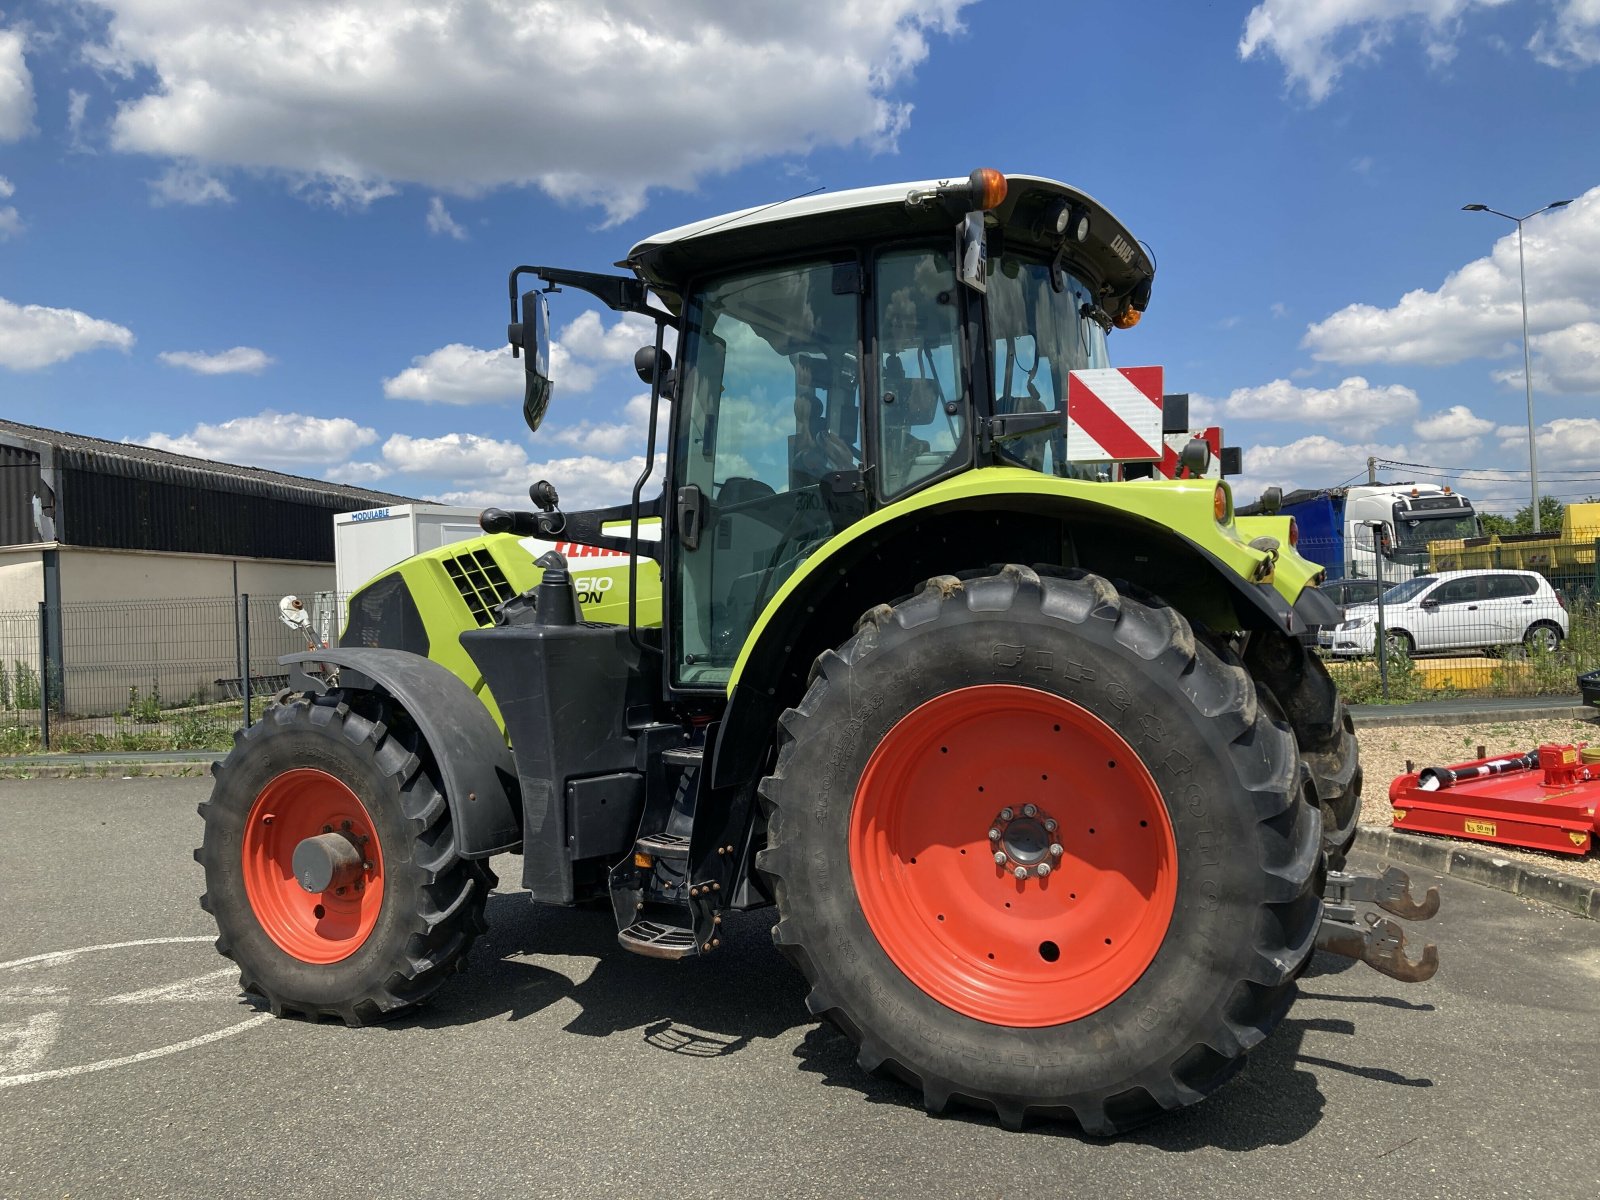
point(279, 234)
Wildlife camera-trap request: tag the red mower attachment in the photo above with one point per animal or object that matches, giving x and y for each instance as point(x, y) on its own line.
point(1545, 799)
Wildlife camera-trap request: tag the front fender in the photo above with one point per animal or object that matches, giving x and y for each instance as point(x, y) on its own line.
point(476, 770)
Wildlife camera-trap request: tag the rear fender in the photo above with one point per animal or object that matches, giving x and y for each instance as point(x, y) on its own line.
point(476, 770)
point(1144, 538)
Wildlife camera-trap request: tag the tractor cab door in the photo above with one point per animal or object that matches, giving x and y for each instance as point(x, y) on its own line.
point(767, 440)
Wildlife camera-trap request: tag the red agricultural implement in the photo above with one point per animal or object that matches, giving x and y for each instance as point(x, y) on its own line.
point(1546, 799)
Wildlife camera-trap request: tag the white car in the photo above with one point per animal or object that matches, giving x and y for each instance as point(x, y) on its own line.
point(1456, 610)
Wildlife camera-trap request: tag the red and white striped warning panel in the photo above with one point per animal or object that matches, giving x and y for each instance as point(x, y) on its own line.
point(1114, 413)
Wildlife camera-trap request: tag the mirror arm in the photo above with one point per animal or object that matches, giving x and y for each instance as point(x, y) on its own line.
point(621, 293)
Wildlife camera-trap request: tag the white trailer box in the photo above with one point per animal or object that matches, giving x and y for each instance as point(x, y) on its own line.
point(370, 541)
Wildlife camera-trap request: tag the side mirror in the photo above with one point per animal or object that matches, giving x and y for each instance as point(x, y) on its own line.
point(531, 336)
point(974, 265)
point(1430, 603)
point(1272, 501)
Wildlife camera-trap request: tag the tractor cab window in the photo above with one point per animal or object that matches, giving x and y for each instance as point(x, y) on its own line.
point(1040, 333)
point(771, 410)
point(922, 410)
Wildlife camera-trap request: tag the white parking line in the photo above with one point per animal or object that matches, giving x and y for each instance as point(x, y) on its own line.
point(25, 1043)
point(127, 1059)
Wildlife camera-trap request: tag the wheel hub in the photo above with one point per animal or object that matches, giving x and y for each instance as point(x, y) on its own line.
point(327, 862)
point(1025, 842)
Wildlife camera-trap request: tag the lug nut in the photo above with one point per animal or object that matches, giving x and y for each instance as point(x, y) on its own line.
point(1021, 872)
point(1055, 850)
point(694, 891)
point(1006, 814)
point(994, 834)
point(1044, 869)
point(1000, 857)
point(1049, 825)
point(1030, 810)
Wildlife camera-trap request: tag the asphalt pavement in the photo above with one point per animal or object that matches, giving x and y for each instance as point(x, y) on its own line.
point(560, 1065)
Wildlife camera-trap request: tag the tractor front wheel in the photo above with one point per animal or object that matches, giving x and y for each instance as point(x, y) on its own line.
point(330, 863)
point(1038, 851)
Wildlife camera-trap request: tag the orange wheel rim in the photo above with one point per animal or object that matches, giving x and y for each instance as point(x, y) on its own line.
point(1013, 855)
point(321, 927)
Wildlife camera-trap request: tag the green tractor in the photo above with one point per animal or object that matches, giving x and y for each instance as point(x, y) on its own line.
point(1028, 757)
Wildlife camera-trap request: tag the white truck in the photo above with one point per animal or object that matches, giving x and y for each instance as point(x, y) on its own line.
point(1345, 529)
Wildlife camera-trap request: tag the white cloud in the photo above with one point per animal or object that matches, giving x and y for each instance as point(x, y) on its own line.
point(77, 108)
point(459, 374)
point(1566, 361)
point(1315, 461)
point(188, 184)
point(16, 88)
point(1316, 40)
point(33, 336)
point(360, 474)
point(475, 472)
point(1354, 403)
point(585, 481)
point(367, 93)
point(10, 218)
point(1454, 424)
point(1476, 312)
point(290, 440)
point(614, 437)
point(1573, 40)
point(1567, 443)
point(453, 456)
point(245, 360)
point(441, 222)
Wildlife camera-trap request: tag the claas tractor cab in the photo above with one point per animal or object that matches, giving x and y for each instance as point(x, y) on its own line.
point(1044, 789)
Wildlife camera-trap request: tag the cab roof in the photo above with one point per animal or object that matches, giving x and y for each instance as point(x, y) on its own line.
point(1109, 259)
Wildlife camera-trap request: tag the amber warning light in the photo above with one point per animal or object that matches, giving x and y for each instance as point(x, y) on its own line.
point(982, 190)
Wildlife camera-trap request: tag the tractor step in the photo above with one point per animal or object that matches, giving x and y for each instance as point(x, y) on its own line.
point(657, 941)
point(663, 845)
point(684, 756)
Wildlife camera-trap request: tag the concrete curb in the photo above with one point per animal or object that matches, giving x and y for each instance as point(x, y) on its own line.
point(1369, 717)
point(1569, 893)
point(108, 767)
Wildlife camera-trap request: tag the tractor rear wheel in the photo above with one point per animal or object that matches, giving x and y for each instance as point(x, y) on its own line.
point(1038, 851)
point(330, 863)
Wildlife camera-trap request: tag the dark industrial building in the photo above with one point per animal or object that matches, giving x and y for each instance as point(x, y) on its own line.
point(85, 521)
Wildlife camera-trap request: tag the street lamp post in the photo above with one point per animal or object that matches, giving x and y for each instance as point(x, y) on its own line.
point(1527, 361)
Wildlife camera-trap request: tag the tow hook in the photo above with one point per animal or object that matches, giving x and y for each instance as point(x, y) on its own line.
point(1376, 940)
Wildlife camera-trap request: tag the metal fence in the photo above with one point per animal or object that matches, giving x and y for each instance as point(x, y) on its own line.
point(184, 674)
point(1510, 615)
point(144, 675)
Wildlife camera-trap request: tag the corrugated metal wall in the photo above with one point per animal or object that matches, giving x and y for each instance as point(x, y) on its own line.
point(19, 483)
point(138, 505)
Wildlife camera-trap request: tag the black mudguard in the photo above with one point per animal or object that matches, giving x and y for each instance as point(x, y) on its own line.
point(477, 774)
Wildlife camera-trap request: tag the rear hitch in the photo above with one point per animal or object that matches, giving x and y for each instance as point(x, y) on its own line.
point(1378, 941)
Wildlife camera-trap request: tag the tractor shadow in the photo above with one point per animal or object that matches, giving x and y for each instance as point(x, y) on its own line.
point(715, 1007)
point(697, 1008)
point(1274, 1101)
